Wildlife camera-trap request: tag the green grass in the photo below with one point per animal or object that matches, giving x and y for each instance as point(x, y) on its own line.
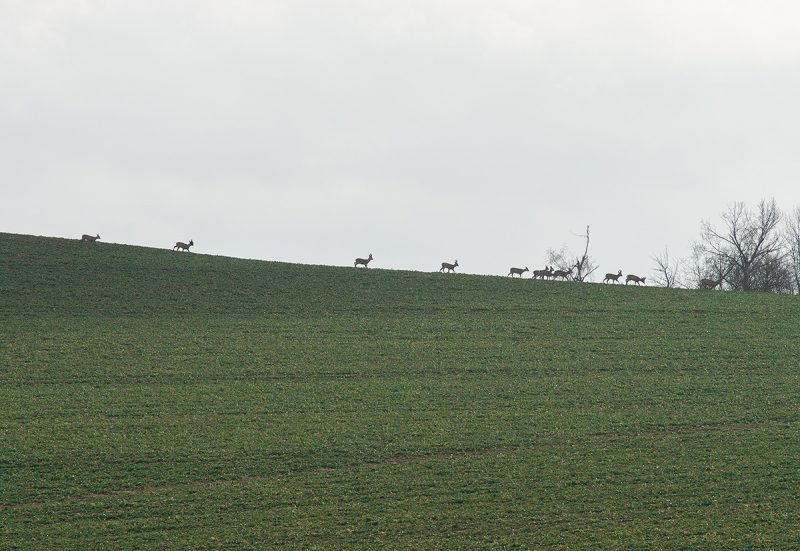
point(151, 399)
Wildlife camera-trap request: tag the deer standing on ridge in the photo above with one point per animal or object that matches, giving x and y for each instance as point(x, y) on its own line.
point(562, 274)
point(89, 238)
point(181, 246)
point(613, 276)
point(518, 271)
point(363, 261)
point(449, 267)
point(710, 284)
point(547, 272)
point(636, 279)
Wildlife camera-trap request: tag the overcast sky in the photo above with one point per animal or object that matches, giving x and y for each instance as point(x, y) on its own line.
point(419, 131)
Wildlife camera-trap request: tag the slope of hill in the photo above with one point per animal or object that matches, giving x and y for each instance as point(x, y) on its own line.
point(69, 277)
point(156, 399)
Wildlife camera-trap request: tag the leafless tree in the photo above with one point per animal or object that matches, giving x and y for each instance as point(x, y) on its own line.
point(793, 246)
point(692, 271)
point(775, 275)
point(665, 273)
point(747, 252)
point(585, 264)
point(565, 259)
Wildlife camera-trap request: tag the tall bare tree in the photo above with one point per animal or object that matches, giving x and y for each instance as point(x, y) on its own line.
point(793, 245)
point(747, 251)
point(665, 273)
point(584, 265)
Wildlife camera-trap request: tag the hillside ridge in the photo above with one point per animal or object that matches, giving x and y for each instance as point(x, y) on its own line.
point(45, 275)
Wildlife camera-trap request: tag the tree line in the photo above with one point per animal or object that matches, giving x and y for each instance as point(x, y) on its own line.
point(750, 250)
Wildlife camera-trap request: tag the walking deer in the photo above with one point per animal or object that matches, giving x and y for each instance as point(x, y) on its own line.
point(518, 271)
point(449, 267)
point(634, 278)
point(181, 246)
point(363, 261)
point(562, 274)
point(710, 284)
point(547, 272)
point(615, 277)
point(90, 238)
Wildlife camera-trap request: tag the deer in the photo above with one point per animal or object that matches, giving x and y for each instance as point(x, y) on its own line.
point(449, 267)
point(636, 279)
point(181, 246)
point(710, 284)
point(518, 271)
point(89, 238)
point(562, 274)
point(547, 272)
point(363, 261)
point(613, 276)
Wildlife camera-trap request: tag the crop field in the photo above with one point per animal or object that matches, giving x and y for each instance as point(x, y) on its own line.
point(152, 399)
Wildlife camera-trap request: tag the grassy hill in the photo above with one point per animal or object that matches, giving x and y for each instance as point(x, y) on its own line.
point(156, 400)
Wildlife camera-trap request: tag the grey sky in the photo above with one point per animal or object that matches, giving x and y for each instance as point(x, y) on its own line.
point(418, 131)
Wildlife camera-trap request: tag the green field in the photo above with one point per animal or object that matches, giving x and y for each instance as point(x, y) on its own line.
point(151, 399)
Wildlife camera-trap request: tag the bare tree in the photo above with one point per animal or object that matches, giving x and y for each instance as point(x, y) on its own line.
point(747, 252)
point(565, 259)
point(774, 275)
point(585, 264)
point(793, 246)
point(665, 273)
point(693, 270)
